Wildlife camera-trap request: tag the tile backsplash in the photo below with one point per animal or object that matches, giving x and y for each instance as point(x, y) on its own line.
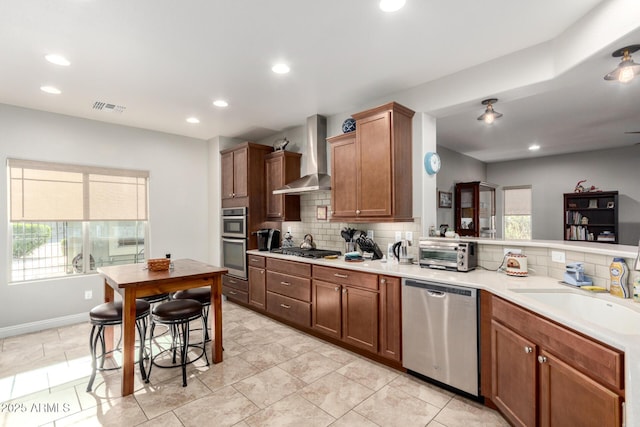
point(326, 234)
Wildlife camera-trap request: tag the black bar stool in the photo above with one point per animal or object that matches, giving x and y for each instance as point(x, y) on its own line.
point(203, 296)
point(176, 314)
point(110, 314)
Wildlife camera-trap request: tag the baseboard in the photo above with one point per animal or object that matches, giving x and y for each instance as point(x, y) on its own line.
point(41, 325)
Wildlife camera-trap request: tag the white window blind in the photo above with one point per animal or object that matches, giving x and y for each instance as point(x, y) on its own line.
point(42, 191)
point(517, 201)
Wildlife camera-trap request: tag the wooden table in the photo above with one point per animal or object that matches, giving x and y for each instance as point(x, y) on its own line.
point(135, 280)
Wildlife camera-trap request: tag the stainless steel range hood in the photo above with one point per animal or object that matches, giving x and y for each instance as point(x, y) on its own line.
point(316, 178)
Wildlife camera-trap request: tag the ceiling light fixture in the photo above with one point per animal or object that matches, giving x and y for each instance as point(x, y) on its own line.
point(489, 114)
point(193, 120)
point(534, 147)
point(391, 5)
point(626, 69)
point(280, 69)
point(220, 103)
point(51, 90)
point(57, 59)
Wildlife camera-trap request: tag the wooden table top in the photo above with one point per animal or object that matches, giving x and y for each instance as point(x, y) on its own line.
point(128, 275)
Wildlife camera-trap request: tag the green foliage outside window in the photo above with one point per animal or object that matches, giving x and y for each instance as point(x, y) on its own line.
point(27, 237)
point(517, 227)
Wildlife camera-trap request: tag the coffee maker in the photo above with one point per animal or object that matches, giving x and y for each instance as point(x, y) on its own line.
point(268, 238)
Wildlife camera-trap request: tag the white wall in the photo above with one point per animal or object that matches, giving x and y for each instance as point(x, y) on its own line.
point(550, 177)
point(178, 202)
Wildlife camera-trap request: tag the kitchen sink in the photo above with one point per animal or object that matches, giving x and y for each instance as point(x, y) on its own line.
point(589, 308)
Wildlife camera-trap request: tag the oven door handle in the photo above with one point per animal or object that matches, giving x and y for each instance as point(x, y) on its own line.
point(228, 240)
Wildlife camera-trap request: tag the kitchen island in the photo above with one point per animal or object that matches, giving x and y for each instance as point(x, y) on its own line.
point(519, 291)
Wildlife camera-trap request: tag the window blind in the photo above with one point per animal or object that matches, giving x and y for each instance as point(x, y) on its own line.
point(517, 201)
point(43, 191)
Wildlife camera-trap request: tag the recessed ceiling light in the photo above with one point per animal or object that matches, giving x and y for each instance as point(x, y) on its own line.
point(193, 120)
point(391, 5)
point(58, 60)
point(50, 89)
point(534, 147)
point(280, 69)
point(220, 103)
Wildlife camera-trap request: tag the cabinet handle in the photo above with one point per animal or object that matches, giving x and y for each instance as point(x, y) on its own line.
point(383, 281)
point(337, 289)
point(333, 212)
point(357, 211)
point(285, 306)
point(232, 293)
point(542, 359)
point(528, 349)
point(342, 276)
point(261, 271)
point(344, 291)
point(232, 281)
point(285, 283)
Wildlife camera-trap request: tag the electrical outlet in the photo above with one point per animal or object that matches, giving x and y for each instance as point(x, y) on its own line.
point(370, 234)
point(512, 250)
point(398, 236)
point(557, 256)
point(409, 235)
point(88, 294)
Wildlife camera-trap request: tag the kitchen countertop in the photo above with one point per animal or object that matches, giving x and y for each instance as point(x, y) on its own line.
point(502, 285)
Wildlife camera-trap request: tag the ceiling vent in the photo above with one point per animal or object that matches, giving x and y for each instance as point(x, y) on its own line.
point(110, 108)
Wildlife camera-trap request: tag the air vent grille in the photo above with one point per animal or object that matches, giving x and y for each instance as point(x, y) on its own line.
point(111, 108)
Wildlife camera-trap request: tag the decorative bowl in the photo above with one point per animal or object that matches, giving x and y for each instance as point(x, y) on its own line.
point(349, 125)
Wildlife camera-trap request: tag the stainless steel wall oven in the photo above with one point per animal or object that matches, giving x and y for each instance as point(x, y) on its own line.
point(234, 241)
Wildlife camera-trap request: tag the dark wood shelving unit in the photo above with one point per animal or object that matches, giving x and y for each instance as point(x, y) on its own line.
point(591, 216)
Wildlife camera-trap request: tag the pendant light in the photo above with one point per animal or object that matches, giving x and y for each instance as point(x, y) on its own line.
point(489, 114)
point(626, 69)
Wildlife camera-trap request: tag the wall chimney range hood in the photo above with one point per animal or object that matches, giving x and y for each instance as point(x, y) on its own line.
point(316, 178)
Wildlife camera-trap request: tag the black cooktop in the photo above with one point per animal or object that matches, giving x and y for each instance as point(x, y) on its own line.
point(306, 253)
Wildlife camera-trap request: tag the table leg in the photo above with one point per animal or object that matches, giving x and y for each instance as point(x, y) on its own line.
point(216, 318)
point(108, 331)
point(128, 340)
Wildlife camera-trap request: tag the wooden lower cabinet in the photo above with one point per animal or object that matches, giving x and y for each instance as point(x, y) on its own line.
point(546, 375)
point(235, 289)
point(257, 287)
point(390, 318)
point(288, 286)
point(326, 312)
point(360, 318)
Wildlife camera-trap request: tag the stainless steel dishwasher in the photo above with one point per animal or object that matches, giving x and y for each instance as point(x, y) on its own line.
point(440, 333)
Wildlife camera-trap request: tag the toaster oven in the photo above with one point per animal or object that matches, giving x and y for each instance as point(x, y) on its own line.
point(448, 254)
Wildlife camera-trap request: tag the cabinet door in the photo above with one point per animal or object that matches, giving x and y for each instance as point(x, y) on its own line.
point(240, 178)
point(513, 365)
point(274, 169)
point(226, 167)
point(390, 318)
point(374, 174)
point(466, 209)
point(343, 177)
point(257, 287)
point(360, 318)
point(326, 313)
point(570, 398)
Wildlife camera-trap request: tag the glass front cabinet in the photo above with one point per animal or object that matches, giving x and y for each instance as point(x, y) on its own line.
point(475, 209)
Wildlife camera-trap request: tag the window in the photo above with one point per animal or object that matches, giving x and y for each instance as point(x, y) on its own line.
point(58, 210)
point(517, 213)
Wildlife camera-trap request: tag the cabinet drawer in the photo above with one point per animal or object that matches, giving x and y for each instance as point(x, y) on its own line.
point(288, 308)
point(346, 277)
point(256, 261)
point(291, 286)
point(596, 360)
point(232, 282)
point(289, 267)
point(235, 295)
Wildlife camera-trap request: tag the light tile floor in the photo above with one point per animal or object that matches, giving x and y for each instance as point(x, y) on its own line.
point(272, 375)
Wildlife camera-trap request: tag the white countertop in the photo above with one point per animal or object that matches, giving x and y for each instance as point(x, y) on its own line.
point(501, 285)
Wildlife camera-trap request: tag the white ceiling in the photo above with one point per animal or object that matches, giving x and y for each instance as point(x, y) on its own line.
point(166, 60)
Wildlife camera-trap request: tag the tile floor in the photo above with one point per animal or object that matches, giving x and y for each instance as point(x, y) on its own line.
point(272, 375)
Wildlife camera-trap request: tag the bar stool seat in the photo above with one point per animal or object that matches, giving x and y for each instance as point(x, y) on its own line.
point(203, 296)
point(177, 314)
point(110, 314)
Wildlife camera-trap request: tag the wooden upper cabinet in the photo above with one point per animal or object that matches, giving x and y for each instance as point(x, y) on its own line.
point(372, 181)
point(242, 175)
point(282, 167)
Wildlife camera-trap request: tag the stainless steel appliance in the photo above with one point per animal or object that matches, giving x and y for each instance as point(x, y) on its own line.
point(448, 254)
point(440, 333)
point(268, 238)
point(234, 241)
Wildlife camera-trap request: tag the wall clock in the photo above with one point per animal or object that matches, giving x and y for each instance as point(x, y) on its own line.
point(432, 163)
